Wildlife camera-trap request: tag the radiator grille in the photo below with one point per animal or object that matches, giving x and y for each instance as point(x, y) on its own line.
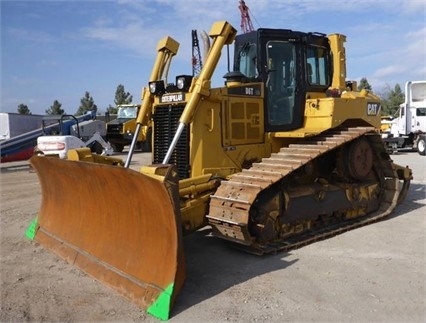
point(115, 128)
point(166, 121)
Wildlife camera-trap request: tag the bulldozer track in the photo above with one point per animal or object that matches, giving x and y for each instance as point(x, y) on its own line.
point(232, 201)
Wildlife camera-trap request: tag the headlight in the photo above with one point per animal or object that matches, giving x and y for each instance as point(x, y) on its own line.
point(183, 82)
point(156, 87)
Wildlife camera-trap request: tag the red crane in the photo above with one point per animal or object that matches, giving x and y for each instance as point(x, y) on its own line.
point(197, 64)
point(246, 25)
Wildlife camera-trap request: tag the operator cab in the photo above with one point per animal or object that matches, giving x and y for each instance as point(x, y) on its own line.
point(290, 64)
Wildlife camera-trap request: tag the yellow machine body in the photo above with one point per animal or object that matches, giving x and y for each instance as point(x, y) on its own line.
point(263, 170)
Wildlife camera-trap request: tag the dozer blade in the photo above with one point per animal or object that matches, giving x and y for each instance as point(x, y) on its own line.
point(118, 225)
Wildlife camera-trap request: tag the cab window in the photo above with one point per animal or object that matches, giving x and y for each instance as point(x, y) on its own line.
point(280, 84)
point(317, 66)
point(248, 61)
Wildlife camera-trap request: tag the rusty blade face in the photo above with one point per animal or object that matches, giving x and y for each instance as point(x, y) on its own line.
point(120, 226)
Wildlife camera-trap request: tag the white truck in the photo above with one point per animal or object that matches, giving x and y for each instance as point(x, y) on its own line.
point(408, 129)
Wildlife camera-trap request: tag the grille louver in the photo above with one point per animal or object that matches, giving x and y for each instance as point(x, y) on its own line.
point(166, 121)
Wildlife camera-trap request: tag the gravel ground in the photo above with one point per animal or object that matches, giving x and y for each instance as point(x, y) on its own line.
point(375, 273)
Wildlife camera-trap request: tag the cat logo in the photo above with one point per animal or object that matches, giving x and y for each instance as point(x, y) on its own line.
point(373, 109)
point(170, 98)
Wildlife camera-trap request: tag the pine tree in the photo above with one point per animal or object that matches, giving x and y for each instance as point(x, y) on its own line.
point(111, 109)
point(55, 109)
point(363, 84)
point(23, 109)
point(121, 96)
point(86, 104)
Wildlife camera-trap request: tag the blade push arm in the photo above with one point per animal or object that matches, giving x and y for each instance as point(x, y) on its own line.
point(166, 49)
point(223, 34)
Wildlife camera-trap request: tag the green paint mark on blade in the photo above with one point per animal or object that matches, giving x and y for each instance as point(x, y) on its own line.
point(161, 307)
point(31, 230)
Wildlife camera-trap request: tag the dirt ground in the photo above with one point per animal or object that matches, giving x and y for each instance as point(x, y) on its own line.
point(375, 273)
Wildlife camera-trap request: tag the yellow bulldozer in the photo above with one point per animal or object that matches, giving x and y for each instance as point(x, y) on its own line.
point(286, 153)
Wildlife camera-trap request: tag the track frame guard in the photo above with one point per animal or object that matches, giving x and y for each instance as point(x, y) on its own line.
point(135, 246)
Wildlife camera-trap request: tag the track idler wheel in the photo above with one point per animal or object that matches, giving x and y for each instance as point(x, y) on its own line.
point(359, 159)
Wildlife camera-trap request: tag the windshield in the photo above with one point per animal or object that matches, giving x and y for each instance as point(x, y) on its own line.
point(421, 112)
point(127, 113)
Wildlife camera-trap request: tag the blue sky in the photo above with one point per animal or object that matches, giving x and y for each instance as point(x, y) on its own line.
point(57, 50)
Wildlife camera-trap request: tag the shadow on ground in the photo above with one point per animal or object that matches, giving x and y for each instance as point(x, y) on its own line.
point(213, 266)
